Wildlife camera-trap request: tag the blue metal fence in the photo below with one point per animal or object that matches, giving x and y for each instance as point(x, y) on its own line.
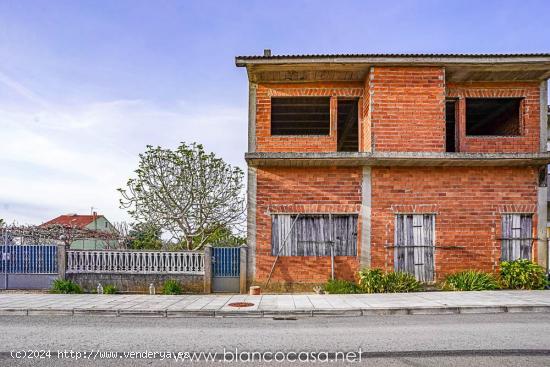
point(28, 259)
point(226, 261)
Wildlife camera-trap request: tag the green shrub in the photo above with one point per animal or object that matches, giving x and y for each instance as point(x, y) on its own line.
point(376, 281)
point(62, 286)
point(522, 274)
point(109, 289)
point(338, 286)
point(399, 282)
point(171, 287)
point(371, 280)
point(470, 280)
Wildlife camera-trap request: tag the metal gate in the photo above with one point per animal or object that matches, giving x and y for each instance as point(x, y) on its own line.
point(28, 266)
point(226, 269)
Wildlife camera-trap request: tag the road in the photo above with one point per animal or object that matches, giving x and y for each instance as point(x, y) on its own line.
point(421, 340)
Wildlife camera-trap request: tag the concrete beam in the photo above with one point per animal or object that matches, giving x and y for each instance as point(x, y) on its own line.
point(252, 117)
point(366, 208)
point(543, 116)
point(542, 217)
point(396, 159)
point(251, 223)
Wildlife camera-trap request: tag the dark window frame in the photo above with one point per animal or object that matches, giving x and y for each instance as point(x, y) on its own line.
point(520, 112)
point(328, 128)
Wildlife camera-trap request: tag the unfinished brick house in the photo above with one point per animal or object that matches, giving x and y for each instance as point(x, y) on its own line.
point(428, 164)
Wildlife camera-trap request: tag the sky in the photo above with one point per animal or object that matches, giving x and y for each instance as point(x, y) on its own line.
point(86, 85)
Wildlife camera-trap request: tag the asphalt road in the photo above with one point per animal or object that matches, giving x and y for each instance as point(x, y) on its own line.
point(440, 340)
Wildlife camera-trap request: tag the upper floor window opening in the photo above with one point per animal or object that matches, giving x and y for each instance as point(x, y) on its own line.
point(493, 116)
point(300, 116)
point(348, 125)
point(450, 125)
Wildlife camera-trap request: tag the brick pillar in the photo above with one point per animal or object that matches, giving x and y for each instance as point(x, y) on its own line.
point(243, 271)
point(208, 269)
point(61, 260)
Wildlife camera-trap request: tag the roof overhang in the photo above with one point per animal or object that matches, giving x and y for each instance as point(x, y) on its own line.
point(353, 159)
point(458, 67)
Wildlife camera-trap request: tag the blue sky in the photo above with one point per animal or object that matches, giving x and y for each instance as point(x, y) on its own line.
point(85, 85)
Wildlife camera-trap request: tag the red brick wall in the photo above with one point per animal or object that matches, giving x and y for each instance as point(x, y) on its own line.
point(304, 190)
point(365, 130)
point(298, 143)
point(408, 109)
point(468, 202)
point(527, 142)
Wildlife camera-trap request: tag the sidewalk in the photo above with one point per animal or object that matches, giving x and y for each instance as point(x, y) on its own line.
point(302, 305)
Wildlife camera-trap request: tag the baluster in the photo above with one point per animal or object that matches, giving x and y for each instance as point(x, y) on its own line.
point(115, 261)
point(133, 261)
point(187, 259)
point(93, 261)
point(138, 262)
point(174, 258)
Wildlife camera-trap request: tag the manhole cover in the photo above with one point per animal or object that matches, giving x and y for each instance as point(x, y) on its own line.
point(241, 304)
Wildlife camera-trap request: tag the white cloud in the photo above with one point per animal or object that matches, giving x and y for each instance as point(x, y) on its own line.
point(60, 159)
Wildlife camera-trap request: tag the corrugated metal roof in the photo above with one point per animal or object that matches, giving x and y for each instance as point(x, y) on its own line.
point(311, 56)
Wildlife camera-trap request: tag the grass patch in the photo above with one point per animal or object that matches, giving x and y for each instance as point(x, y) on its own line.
point(171, 287)
point(63, 286)
point(470, 280)
point(109, 289)
point(377, 281)
point(338, 286)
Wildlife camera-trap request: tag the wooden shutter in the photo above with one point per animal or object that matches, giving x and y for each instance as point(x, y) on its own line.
point(312, 235)
point(345, 235)
point(414, 245)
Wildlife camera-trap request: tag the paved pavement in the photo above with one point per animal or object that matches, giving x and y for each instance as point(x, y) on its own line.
point(272, 305)
point(505, 339)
